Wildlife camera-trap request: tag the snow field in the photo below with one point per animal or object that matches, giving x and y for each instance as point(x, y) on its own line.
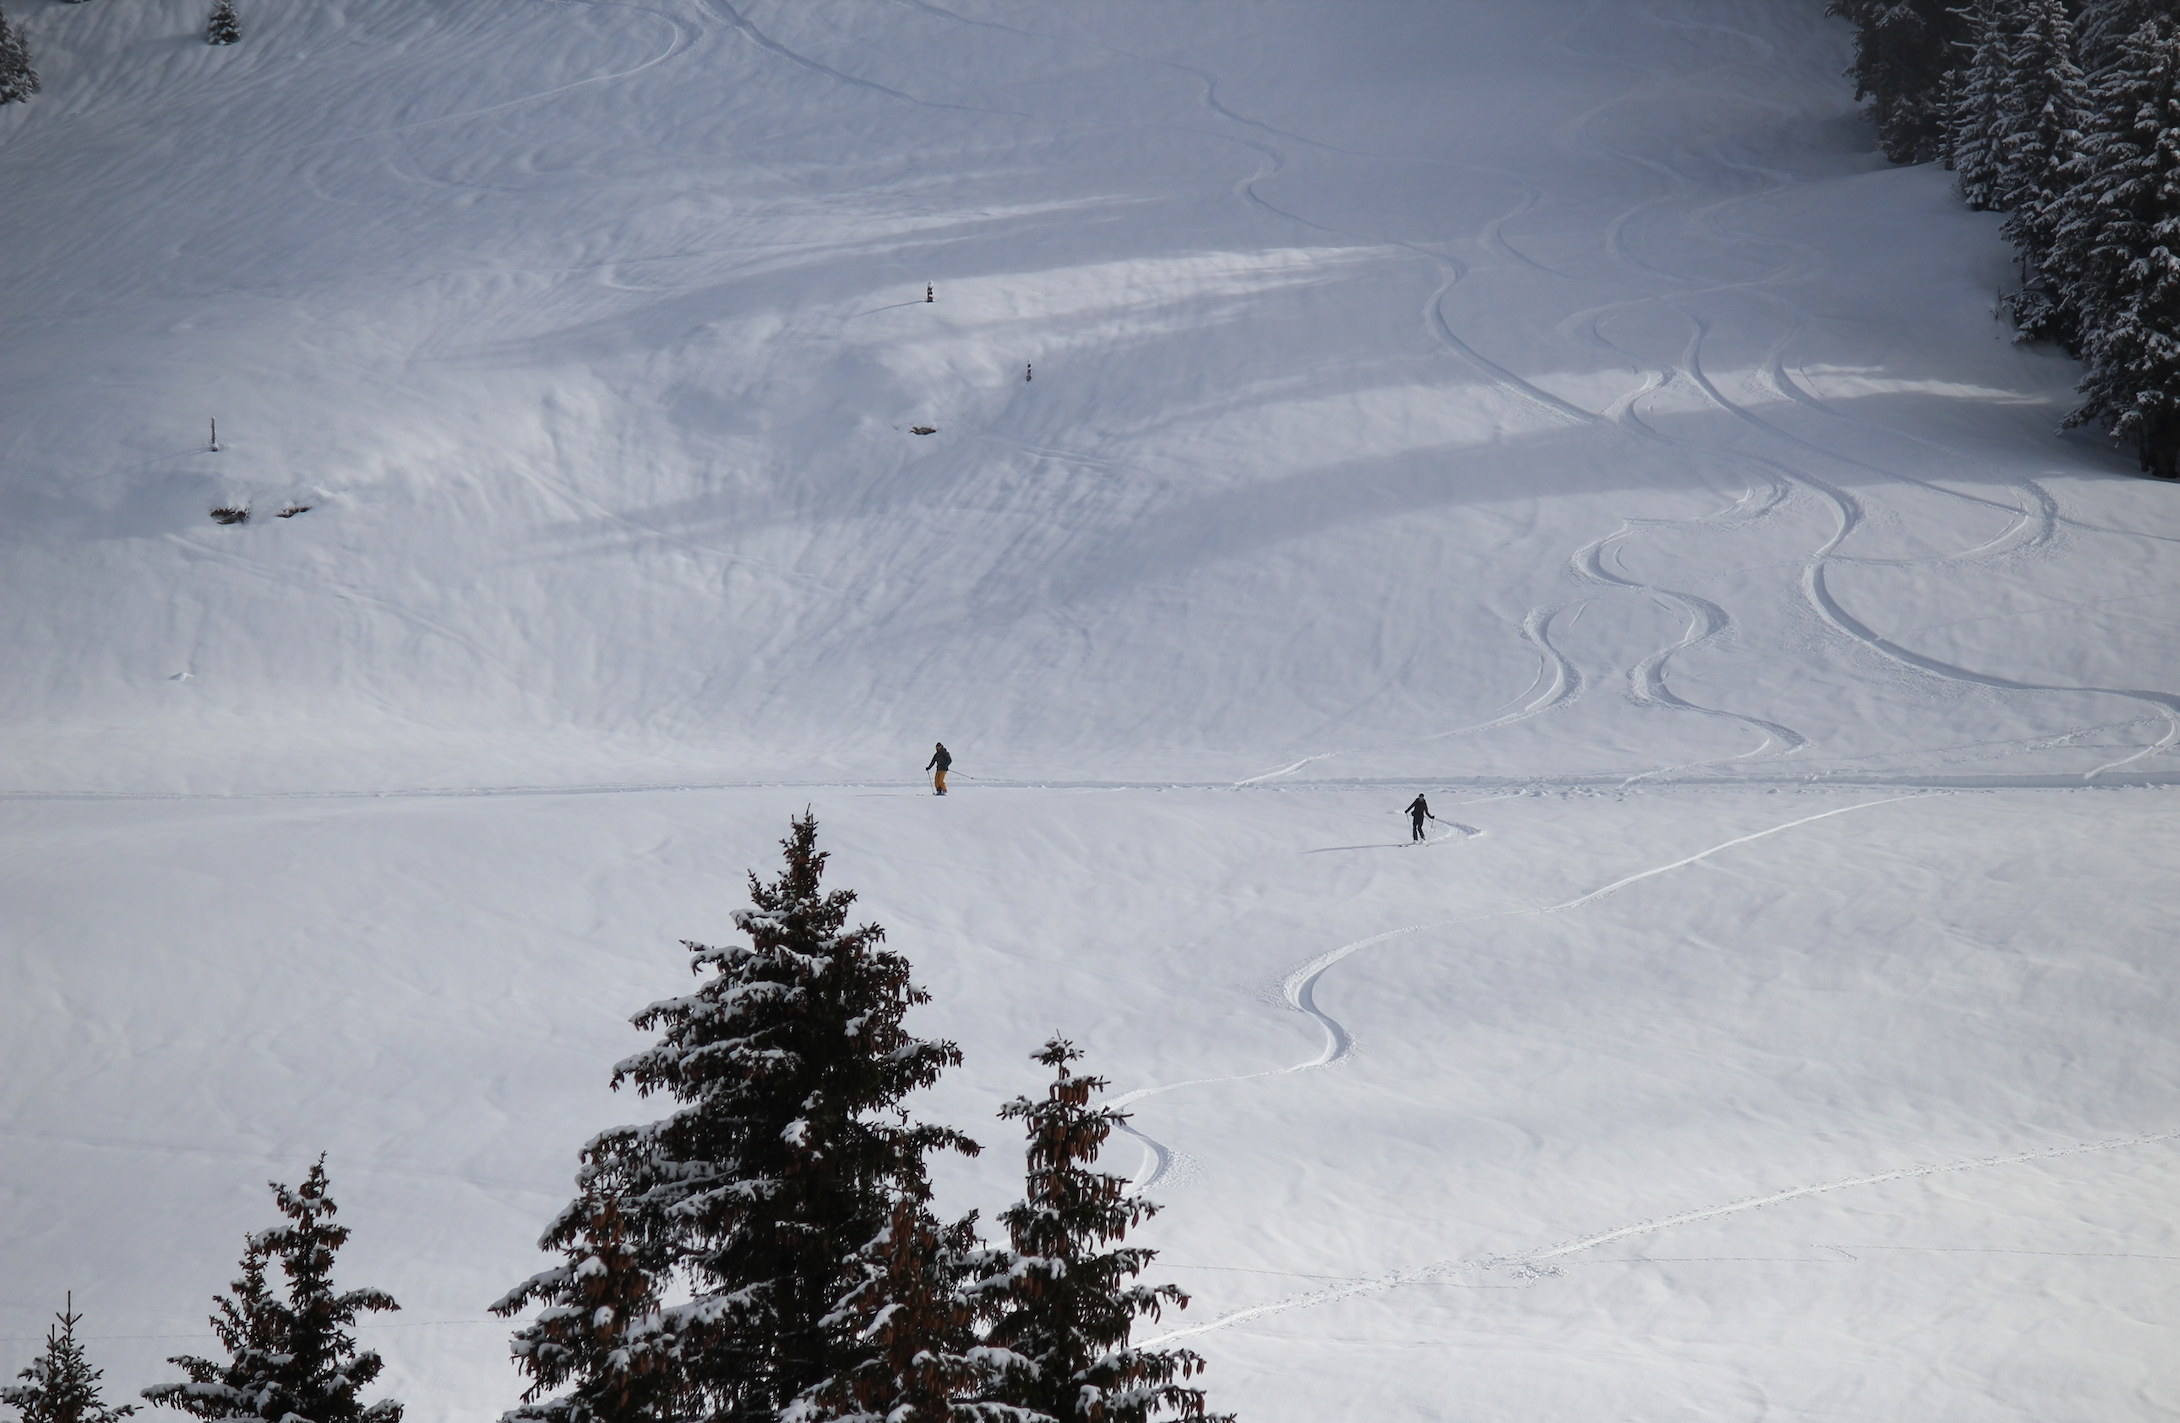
point(592, 333)
point(1556, 406)
point(1855, 996)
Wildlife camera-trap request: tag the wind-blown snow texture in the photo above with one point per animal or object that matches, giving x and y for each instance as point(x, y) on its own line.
point(1557, 407)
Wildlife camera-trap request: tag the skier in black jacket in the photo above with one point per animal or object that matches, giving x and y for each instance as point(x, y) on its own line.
point(940, 760)
point(1419, 810)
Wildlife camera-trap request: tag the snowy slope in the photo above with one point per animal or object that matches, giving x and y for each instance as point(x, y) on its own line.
point(592, 334)
point(1555, 406)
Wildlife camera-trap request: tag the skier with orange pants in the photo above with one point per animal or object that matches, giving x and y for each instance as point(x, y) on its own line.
point(940, 760)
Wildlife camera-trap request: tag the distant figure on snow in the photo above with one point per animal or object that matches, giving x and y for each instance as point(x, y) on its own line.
point(1027, 373)
point(940, 760)
point(1419, 810)
point(927, 296)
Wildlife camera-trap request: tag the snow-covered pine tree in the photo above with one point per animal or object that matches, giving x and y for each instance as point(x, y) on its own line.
point(2042, 115)
point(18, 77)
point(1975, 147)
point(61, 1386)
point(913, 1320)
point(290, 1360)
point(225, 26)
point(1903, 51)
point(599, 1328)
point(2042, 121)
point(2103, 26)
point(249, 1328)
point(1064, 1306)
point(2117, 241)
point(789, 1150)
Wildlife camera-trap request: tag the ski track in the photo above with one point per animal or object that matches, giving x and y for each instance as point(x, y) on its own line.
point(2031, 527)
point(1300, 986)
point(1704, 621)
point(1299, 989)
point(673, 46)
point(1512, 785)
point(1534, 1265)
point(1567, 683)
point(724, 10)
point(676, 42)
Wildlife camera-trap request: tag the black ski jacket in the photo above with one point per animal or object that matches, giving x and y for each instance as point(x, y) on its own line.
point(940, 760)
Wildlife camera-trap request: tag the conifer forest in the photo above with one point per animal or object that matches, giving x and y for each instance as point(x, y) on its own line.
point(2065, 116)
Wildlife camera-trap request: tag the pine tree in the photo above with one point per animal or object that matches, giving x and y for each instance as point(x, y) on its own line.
point(912, 1318)
point(62, 1387)
point(18, 77)
point(225, 26)
point(596, 1306)
point(2043, 118)
point(2040, 130)
point(789, 1151)
point(1976, 145)
point(2117, 241)
point(2102, 31)
point(291, 1360)
point(1904, 50)
point(1064, 1306)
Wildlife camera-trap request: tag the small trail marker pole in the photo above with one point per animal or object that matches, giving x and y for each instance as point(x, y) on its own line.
point(215, 436)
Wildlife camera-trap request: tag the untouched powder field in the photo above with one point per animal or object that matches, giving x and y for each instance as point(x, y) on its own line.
point(1558, 408)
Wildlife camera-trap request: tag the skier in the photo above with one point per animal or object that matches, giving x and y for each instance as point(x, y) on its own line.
point(927, 296)
point(1419, 810)
point(940, 760)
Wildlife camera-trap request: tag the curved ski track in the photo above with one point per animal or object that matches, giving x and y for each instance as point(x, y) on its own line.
point(1781, 479)
point(1300, 991)
point(1299, 987)
point(2031, 527)
point(1704, 621)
